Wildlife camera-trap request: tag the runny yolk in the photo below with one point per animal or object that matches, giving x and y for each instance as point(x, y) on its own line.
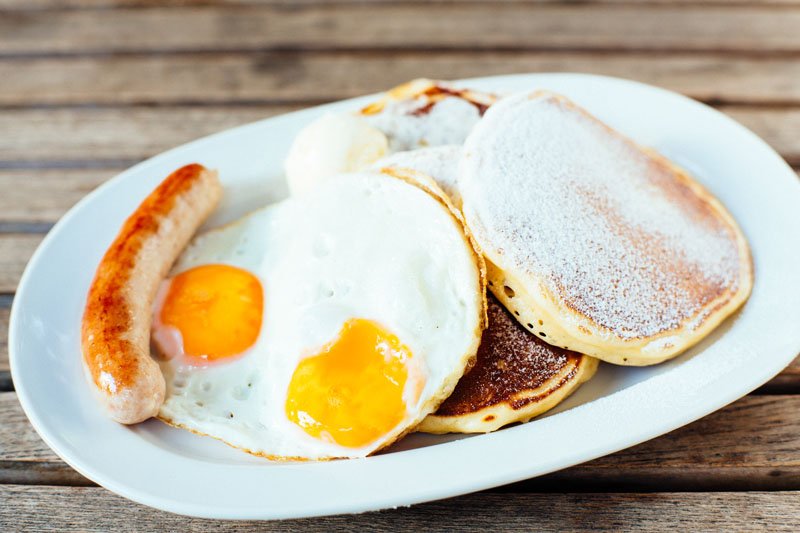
point(216, 308)
point(351, 392)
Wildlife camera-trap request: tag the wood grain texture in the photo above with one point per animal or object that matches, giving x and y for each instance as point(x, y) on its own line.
point(98, 135)
point(95, 509)
point(43, 196)
point(311, 77)
point(750, 444)
point(787, 381)
point(4, 312)
point(472, 26)
point(107, 4)
point(105, 136)
point(24, 457)
point(18, 440)
point(15, 250)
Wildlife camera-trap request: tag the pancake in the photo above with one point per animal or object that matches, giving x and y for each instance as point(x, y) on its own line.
point(424, 113)
point(515, 378)
point(440, 163)
point(595, 244)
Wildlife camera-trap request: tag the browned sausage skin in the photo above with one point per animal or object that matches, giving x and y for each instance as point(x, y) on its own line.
point(115, 334)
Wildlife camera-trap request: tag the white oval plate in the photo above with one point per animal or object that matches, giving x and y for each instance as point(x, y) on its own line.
point(176, 471)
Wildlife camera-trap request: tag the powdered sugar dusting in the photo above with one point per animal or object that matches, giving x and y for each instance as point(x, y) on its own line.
point(440, 163)
point(427, 119)
point(607, 228)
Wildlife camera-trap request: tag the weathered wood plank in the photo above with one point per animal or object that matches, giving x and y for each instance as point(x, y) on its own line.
point(4, 312)
point(5, 374)
point(15, 250)
point(95, 509)
point(304, 77)
point(42, 196)
point(106, 4)
point(360, 26)
point(787, 381)
point(780, 127)
point(750, 444)
point(794, 368)
point(44, 136)
point(18, 440)
point(112, 134)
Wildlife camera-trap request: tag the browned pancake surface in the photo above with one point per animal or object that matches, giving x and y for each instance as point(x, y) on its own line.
point(510, 362)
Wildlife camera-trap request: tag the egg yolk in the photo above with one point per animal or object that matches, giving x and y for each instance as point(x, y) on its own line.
point(216, 308)
point(352, 391)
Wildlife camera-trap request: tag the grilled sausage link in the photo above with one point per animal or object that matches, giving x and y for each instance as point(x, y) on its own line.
point(115, 334)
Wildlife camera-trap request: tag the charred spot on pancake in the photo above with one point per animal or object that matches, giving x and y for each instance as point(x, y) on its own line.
point(488, 418)
point(509, 291)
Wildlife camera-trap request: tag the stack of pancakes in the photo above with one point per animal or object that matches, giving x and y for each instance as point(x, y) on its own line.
point(596, 248)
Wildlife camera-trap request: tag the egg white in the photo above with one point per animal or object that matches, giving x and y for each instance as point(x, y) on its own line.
point(361, 246)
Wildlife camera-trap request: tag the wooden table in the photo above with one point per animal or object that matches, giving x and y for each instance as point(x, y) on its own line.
point(89, 87)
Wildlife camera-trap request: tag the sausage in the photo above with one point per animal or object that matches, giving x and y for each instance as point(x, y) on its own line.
point(115, 332)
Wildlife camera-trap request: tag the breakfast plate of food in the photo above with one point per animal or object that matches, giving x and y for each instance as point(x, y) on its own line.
point(409, 296)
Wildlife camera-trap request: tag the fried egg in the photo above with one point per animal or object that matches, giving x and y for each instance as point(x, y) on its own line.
point(418, 114)
point(325, 326)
